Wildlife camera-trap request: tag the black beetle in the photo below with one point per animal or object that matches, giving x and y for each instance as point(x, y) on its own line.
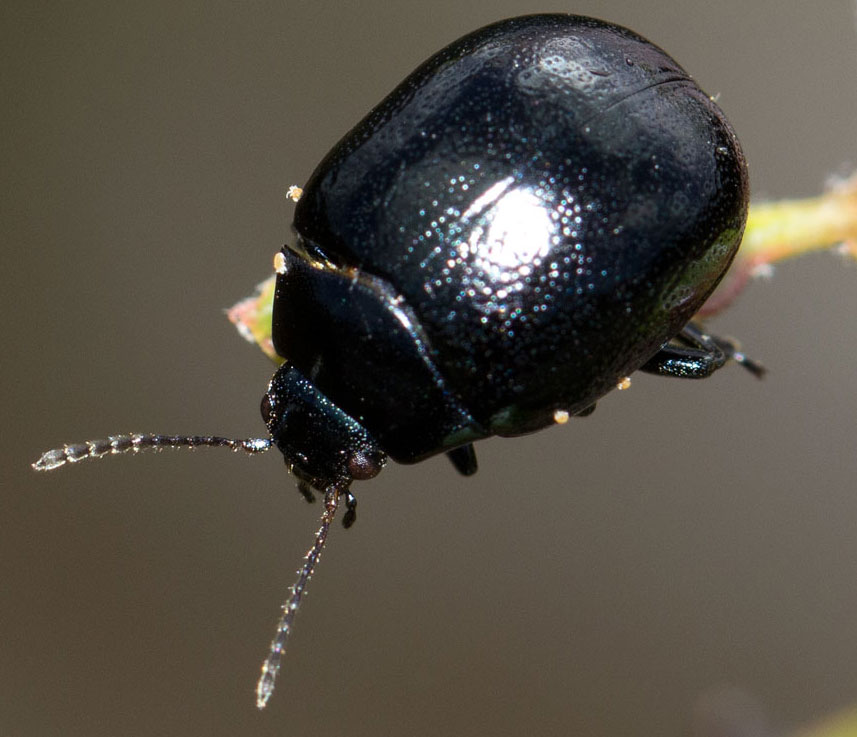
point(534, 214)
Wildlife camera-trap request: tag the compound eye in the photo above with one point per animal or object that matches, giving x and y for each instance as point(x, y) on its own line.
point(268, 407)
point(366, 464)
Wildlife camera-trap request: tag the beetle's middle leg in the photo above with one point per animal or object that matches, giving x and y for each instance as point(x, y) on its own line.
point(694, 354)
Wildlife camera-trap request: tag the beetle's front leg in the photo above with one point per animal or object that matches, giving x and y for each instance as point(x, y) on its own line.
point(306, 491)
point(696, 355)
point(350, 509)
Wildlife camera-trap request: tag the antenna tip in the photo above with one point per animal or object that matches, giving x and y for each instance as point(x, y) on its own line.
point(263, 691)
point(50, 460)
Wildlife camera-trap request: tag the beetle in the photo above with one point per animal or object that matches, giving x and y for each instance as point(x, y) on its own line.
point(532, 215)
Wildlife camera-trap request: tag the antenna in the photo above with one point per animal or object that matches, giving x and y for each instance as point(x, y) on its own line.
point(136, 442)
point(271, 666)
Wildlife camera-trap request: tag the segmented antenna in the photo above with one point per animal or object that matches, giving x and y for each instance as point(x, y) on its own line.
point(135, 442)
point(271, 666)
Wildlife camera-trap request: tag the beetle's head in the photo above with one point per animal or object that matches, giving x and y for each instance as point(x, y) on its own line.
point(321, 444)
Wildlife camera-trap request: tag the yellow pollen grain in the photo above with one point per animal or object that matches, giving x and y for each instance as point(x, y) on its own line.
point(279, 262)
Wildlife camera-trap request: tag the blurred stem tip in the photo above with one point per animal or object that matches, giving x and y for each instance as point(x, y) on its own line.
point(785, 229)
point(252, 317)
point(733, 712)
point(775, 231)
point(841, 724)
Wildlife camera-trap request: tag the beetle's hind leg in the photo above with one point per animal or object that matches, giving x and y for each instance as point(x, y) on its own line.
point(694, 354)
point(464, 459)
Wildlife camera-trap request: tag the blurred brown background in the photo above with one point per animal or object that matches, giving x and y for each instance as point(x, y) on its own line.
point(593, 579)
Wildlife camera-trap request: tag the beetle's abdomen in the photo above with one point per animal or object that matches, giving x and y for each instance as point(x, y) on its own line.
point(553, 198)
